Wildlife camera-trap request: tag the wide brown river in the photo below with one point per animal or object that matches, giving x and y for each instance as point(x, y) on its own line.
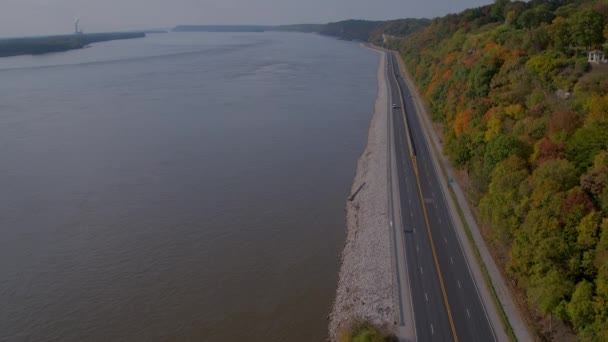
point(180, 187)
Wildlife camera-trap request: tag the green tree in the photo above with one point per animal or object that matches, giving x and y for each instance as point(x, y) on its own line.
point(566, 10)
point(500, 148)
point(587, 28)
point(580, 307)
point(513, 10)
point(538, 245)
point(594, 181)
point(601, 257)
point(587, 231)
point(538, 39)
point(498, 9)
point(534, 17)
point(480, 78)
point(547, 65)
point(560, 171)
point(549, 290)
point(460, 149)
point(575, 207)
point(498, 207)
point(586, 143)
point(561, 33)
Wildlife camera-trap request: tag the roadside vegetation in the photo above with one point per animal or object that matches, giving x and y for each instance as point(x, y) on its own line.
point(525, 118)
point(365, 332)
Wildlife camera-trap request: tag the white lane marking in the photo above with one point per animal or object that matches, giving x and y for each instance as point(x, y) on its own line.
point(410, 201)
point(391, 223)
point(412, 214)
point(414, 230)
point(459, 284)
point(417, 249)
point(421, 272)
point(468, 314)
point(444, 239)
point(426, 296)
point(432, 330)
point(452, 260)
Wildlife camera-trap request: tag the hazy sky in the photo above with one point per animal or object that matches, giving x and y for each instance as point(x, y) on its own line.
point(32, 17)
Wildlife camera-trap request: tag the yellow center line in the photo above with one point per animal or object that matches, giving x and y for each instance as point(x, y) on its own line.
point(407, 132)
point(428, 228)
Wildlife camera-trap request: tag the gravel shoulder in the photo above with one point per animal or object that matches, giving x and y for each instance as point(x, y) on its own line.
point(366, 287)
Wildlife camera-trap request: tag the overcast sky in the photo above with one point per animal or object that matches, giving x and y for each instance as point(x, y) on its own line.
point(34, 17)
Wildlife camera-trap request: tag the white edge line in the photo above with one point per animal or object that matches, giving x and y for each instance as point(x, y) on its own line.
point(392, 138)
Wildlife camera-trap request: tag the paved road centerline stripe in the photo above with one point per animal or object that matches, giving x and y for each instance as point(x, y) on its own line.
point(428, 227)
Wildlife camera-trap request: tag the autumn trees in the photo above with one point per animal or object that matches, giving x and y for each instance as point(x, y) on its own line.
point(523, 117)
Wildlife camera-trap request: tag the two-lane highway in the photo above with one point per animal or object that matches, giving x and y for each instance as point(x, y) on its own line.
point(445, 299)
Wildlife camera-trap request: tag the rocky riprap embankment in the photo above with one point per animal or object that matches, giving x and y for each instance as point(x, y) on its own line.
point(365, 287)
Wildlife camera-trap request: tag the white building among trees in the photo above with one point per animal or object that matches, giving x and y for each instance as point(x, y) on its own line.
point(597, 56)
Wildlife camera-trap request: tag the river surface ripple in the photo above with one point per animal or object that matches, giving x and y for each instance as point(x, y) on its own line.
point(185, 186)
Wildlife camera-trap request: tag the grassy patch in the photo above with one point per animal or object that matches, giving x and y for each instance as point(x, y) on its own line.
point(365, 332)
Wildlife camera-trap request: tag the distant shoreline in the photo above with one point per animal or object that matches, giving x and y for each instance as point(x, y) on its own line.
point(41, 45)
point(306, 28)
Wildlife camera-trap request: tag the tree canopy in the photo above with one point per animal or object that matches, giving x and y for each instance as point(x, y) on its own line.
point(527, 121)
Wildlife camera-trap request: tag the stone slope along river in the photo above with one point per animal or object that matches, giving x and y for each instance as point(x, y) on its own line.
point(186, 186)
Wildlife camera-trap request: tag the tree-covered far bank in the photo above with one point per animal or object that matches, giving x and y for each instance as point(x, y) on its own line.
point(48, 44)
point(373, 31)
point(525, 117)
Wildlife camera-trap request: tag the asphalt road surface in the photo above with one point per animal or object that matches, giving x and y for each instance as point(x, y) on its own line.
point(444, 297)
